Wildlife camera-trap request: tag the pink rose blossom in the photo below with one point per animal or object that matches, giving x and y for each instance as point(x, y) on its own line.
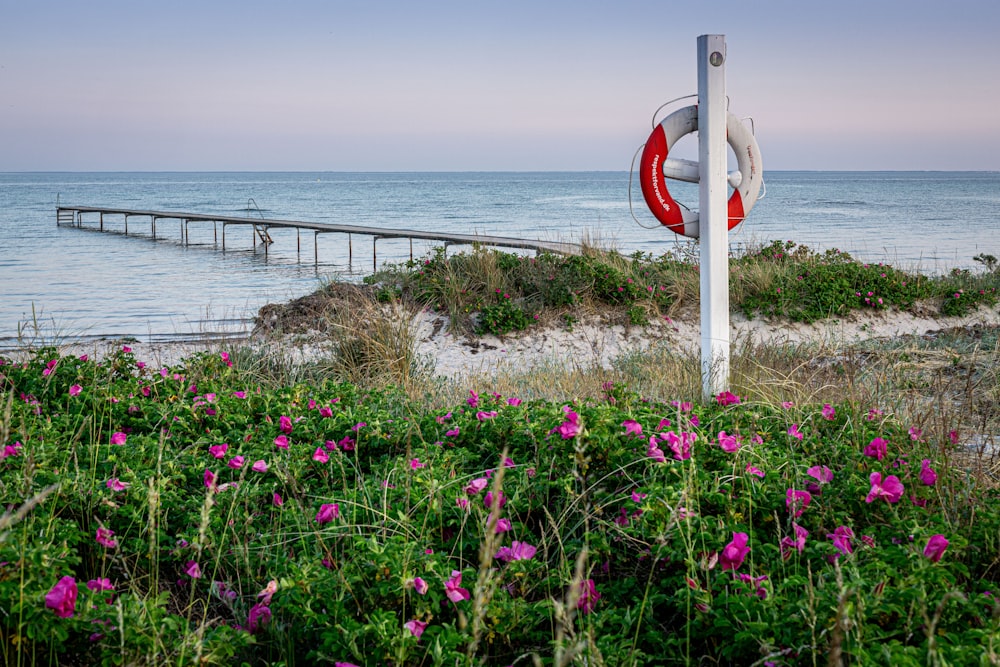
point(829, 412)
point(935, 547)
point(733, 553)
point(62, 597)
point(116, 485)
point(516, 551)
point(105, 538)
point(75, 390)
point(927, 474)
point(821, 474)
point(285, 424)
point(218, 451)
point(192, 569)
point(259, 466)
point(118, 438)
point(797, 501)
point(281, 442)
point(320, 455)
point(327, 513)
point(452, 588)
point(729, 443)
point(891, 488)
point(876, 449)
point(588, 596)
point(415, 627)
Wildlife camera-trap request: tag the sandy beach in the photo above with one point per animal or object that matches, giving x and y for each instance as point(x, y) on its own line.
point(587, 343)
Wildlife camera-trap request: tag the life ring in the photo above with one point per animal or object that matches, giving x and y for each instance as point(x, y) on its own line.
point(676, 218)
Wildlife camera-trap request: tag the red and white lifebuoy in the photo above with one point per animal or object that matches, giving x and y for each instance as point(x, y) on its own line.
point(676, 218)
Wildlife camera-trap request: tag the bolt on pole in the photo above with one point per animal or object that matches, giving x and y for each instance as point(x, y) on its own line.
point(713, 214)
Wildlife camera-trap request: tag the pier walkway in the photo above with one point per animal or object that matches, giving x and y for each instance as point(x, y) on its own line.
point(74, 216)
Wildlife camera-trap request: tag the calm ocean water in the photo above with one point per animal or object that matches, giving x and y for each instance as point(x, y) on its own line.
point(80, 283)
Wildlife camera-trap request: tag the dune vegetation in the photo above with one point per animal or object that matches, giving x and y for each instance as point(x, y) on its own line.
point(837, 505)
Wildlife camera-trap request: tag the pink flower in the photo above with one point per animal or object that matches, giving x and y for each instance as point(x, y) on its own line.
point(787, 405)
point(476, 485)
point(569, 428)
point(325, 412)
point(728, 443)
point(105, 539)
point(794, 431)
point(102, 584)
point(513, 402)
point(463, 503)
point(285, 424)
point(415, 627)
point(829, 412)
point(239, 394)
point(320, 455)
point(891, 488)
point(62, 597)
point(927, 474)
point(473, 399)
point(75, 390)
point(210, 478)
point(218, 451)
point(753, 470)
point(483, 416)
point(118, 438)
point(821, 474)
point(680, 445)
point(327, 513)
point(727, 398)
point(503, 525)
point(276, 500)
point(915, 433)
point(842, 537)
point(346, 443)
point(268, 592)
point(452, 588)
point(259, 466)
point(876, 449)
point(451, 433)
point(416, 464)
point(632, 427)
point(192, 569)
point(225, 358)
point(281, 442)
point(797, 501)
point(733, 553)
point(638, 497)
point(935, 547)
point(116, 485)
point(236, 462)
point(420, 586)
point(654, 452)
point(516, 551)
point(799, 543)
point(588, 596)
point(258, 617)
point(488, 499)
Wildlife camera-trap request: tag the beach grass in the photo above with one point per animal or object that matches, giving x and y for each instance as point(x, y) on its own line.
point(838, 505)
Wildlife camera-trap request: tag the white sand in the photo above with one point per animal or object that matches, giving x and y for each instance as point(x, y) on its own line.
point(585, 344)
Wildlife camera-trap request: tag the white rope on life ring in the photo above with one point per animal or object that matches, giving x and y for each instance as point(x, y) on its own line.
point(655, 168)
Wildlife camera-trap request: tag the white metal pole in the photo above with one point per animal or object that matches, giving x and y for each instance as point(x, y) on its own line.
point(713, 216)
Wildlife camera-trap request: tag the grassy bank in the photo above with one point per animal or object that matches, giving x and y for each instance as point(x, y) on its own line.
point(238, 509)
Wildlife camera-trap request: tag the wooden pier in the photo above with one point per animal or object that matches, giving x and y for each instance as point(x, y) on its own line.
point(74, 216)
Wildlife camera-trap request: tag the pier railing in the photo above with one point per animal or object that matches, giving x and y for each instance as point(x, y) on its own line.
point(75, 216)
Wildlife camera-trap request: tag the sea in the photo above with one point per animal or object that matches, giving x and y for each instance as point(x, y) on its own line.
point(63, 283)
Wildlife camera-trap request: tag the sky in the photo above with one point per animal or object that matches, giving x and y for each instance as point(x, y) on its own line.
point(524, 85)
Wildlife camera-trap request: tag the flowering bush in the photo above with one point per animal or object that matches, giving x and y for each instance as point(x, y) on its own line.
point(496, 529)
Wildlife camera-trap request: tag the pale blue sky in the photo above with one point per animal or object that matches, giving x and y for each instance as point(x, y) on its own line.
point(517, 85)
